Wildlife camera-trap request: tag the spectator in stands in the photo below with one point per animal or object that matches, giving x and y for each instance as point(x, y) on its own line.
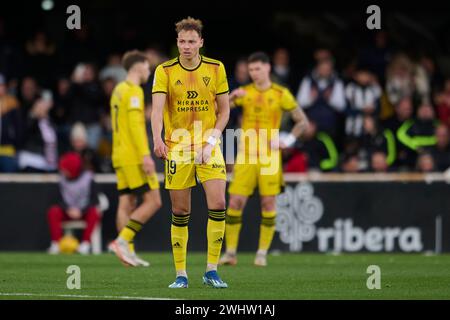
point(378, 162)
point(155, 57)
point(104, 148)
point(363, 98)
point(322, 96)
point(240, 77)
point(113, 70)
point(407, 79)
point(442, 101)
point(295, 160)
point(10, 129)
point(78, 139)
point(377, 55)
point(281, 69)
point(376, 139)
point(320, 150)
point(59, 114)
point(418, 133)
point(322, 54)
point(350, 163)
point(79, 45)
point(441, 151)
point(425, 162)
point(108, 85)
point(421, 84)
point(60, 109)
point(29, 93)
point(39, 146)
point(399, 79)
point(78, 200)
point(404, 111)
point(86, 97)
point(433, 74)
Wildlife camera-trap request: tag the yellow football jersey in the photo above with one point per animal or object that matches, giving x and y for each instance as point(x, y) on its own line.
point(190, 108)
point(262, 112)
point(130, 141)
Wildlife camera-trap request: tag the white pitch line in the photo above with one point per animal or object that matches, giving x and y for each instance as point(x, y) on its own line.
point(80, 296)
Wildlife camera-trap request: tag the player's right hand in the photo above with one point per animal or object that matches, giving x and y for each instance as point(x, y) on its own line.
point(160, 149)
point(237, 93)
point(148, 165)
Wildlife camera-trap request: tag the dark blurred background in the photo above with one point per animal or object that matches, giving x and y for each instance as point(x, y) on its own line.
point(67, 76)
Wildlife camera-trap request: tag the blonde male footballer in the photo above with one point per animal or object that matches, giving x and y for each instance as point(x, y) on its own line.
point(190, 97)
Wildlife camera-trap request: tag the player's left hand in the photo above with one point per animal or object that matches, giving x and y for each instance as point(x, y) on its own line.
point(148, 165)
point(205, 154)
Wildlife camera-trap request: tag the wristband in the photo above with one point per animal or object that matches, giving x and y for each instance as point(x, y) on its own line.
point(212, 141)
point(289, 140)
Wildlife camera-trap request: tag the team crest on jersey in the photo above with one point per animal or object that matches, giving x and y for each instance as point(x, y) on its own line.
point(206, 80)
point(178, 83)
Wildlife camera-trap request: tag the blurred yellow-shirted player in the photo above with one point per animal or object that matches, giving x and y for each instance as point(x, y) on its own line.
point(258, 162)
point(131, 158)
point(190, 97)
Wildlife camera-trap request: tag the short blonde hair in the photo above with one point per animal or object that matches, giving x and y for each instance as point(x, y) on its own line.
point(189, 23)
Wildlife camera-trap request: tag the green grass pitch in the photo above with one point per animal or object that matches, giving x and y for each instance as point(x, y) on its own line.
point(288, 276)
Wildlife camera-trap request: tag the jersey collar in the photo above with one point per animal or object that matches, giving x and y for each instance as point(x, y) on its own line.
point(271, 86)
point(193, 69)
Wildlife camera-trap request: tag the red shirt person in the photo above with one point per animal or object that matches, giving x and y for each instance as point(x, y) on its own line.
point(77, 201)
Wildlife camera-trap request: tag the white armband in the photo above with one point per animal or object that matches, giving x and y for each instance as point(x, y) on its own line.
point(212, 141)
point(289, 140)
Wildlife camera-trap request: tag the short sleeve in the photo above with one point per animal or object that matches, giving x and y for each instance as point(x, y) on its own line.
point(288, 102)
point(222, 82)
point(160, 81)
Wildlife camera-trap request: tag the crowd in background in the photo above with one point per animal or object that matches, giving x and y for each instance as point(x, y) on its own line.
point(386, 111)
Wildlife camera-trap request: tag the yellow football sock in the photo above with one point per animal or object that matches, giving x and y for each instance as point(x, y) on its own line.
point(179, 236)
point(232, 229)
point(130, 230)
point(267, 230)
point(215, 233)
